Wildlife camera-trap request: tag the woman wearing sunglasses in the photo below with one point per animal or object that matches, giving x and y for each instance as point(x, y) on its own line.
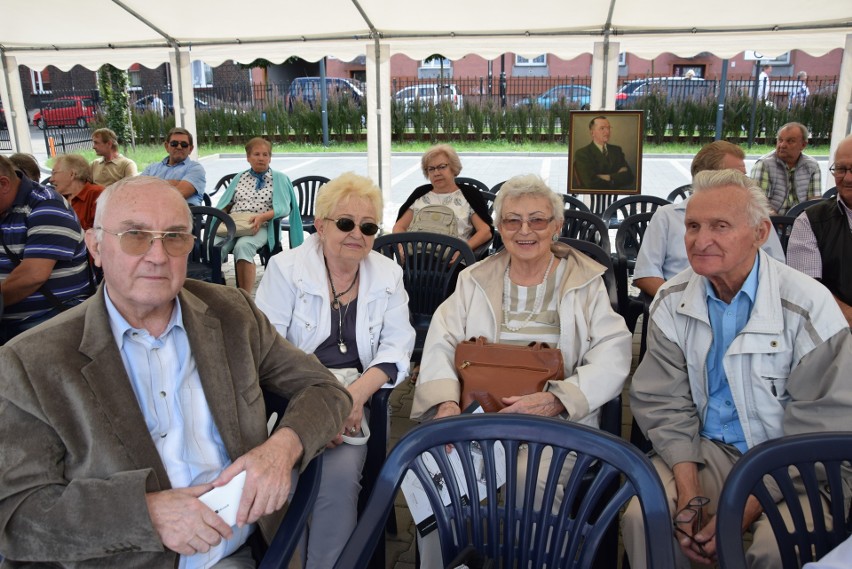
point(464, 209)
point(534, 290)
point(336, 298)
point(261, 195)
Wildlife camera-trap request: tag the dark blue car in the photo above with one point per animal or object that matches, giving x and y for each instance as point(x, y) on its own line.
point(579, 95)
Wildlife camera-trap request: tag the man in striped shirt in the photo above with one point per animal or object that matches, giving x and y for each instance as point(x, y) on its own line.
point(43, 261)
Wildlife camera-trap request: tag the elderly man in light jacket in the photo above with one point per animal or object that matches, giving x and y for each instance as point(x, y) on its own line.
point(741, 350)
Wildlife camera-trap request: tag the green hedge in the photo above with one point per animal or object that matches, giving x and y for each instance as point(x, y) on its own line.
point(687, 121)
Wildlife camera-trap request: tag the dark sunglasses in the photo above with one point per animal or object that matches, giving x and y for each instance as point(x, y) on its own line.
point(346, 225)
point(182, 144)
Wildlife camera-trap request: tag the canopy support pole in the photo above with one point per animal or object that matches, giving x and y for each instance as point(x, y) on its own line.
point(12, 95)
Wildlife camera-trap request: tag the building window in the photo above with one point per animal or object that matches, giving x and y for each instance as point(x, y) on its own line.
point(40, 81)
point(783, 59)
point(683, 71)
point(436, 63)
point(202, 74)
point(538, 61)
point(134, 77)
point(622, 58)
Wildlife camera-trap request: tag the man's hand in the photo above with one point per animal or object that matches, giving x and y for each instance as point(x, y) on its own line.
point(183, 522)
point(605, 177)
point(702, 547)
point(268, 468)
point(706, 535)
point(543, 404)
point(447, 409)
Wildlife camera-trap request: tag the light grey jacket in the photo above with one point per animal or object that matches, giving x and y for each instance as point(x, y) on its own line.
point(76, 458)
point(595, 342)
point(795, 328)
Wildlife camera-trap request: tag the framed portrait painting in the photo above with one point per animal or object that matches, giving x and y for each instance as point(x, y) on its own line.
point(605, 152)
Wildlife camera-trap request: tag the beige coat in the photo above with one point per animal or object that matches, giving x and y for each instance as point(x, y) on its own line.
point(76, 458)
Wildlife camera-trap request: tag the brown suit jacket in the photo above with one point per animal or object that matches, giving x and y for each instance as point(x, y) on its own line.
point(76, 458)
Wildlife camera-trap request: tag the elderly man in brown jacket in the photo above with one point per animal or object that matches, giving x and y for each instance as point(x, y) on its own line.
point(117, 415)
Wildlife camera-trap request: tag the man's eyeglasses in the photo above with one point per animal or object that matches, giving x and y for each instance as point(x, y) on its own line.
point(438, 168)
point(182, 144)
point(534, 223)
point(839, 171)
point(136, 242)
point(346, 225)
point(690, 517)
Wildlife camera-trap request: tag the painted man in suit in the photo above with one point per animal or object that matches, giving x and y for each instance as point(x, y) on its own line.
point(601, 165)
point(118, 414)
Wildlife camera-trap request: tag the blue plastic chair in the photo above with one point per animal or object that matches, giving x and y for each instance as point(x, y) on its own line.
point(802, 206)
point(818, 458)
point(286, 539)
point(430, 266)
point(517, 536)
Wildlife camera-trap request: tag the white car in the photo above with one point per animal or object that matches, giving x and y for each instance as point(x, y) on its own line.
point(429, 93)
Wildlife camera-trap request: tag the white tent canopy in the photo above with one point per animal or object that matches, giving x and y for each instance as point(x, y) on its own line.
point(150, 32)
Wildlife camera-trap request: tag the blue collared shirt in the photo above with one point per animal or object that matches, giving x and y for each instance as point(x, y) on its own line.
point(167, 385)
point(189, 171)
point(722, 422)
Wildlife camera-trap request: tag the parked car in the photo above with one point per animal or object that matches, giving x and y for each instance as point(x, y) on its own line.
point(307, 90)
point(144, 103)
point(580, 95)
point(430, 93)
point(66, 111)
point(671, 88)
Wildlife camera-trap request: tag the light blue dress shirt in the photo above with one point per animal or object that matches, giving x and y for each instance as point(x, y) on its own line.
point(168, 389)
point(189, 171)
point(722, 422)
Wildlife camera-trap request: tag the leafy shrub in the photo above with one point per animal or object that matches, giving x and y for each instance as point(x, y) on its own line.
point(475, 113)
point(278, 120)
point(398, 120)
point(447, 117)
point(432, 120)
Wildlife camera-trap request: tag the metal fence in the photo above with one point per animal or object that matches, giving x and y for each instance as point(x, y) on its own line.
point(226, 113)
point(5, 140)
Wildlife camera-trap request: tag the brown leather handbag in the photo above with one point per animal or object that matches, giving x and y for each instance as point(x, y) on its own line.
point(488, 372)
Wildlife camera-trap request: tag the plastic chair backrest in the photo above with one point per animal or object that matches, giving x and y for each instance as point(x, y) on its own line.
point(286, 538)
point(783, 225)
point(223, 182)
point(496, 187)
point(597, 253)
point(802, 206)
point(818, 459)
point(538, 530)
point(473, 183)
point(205, 260)
point(680, 193)
point(306, 189)
point(631, 205)
point(628, 239)
point(574, 203)
point(430, 267)
point(599, 201)
point(587, 227)
point(489, 198)
point(830, 193)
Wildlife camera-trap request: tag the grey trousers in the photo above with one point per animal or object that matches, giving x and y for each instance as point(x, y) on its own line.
point(335, 512)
